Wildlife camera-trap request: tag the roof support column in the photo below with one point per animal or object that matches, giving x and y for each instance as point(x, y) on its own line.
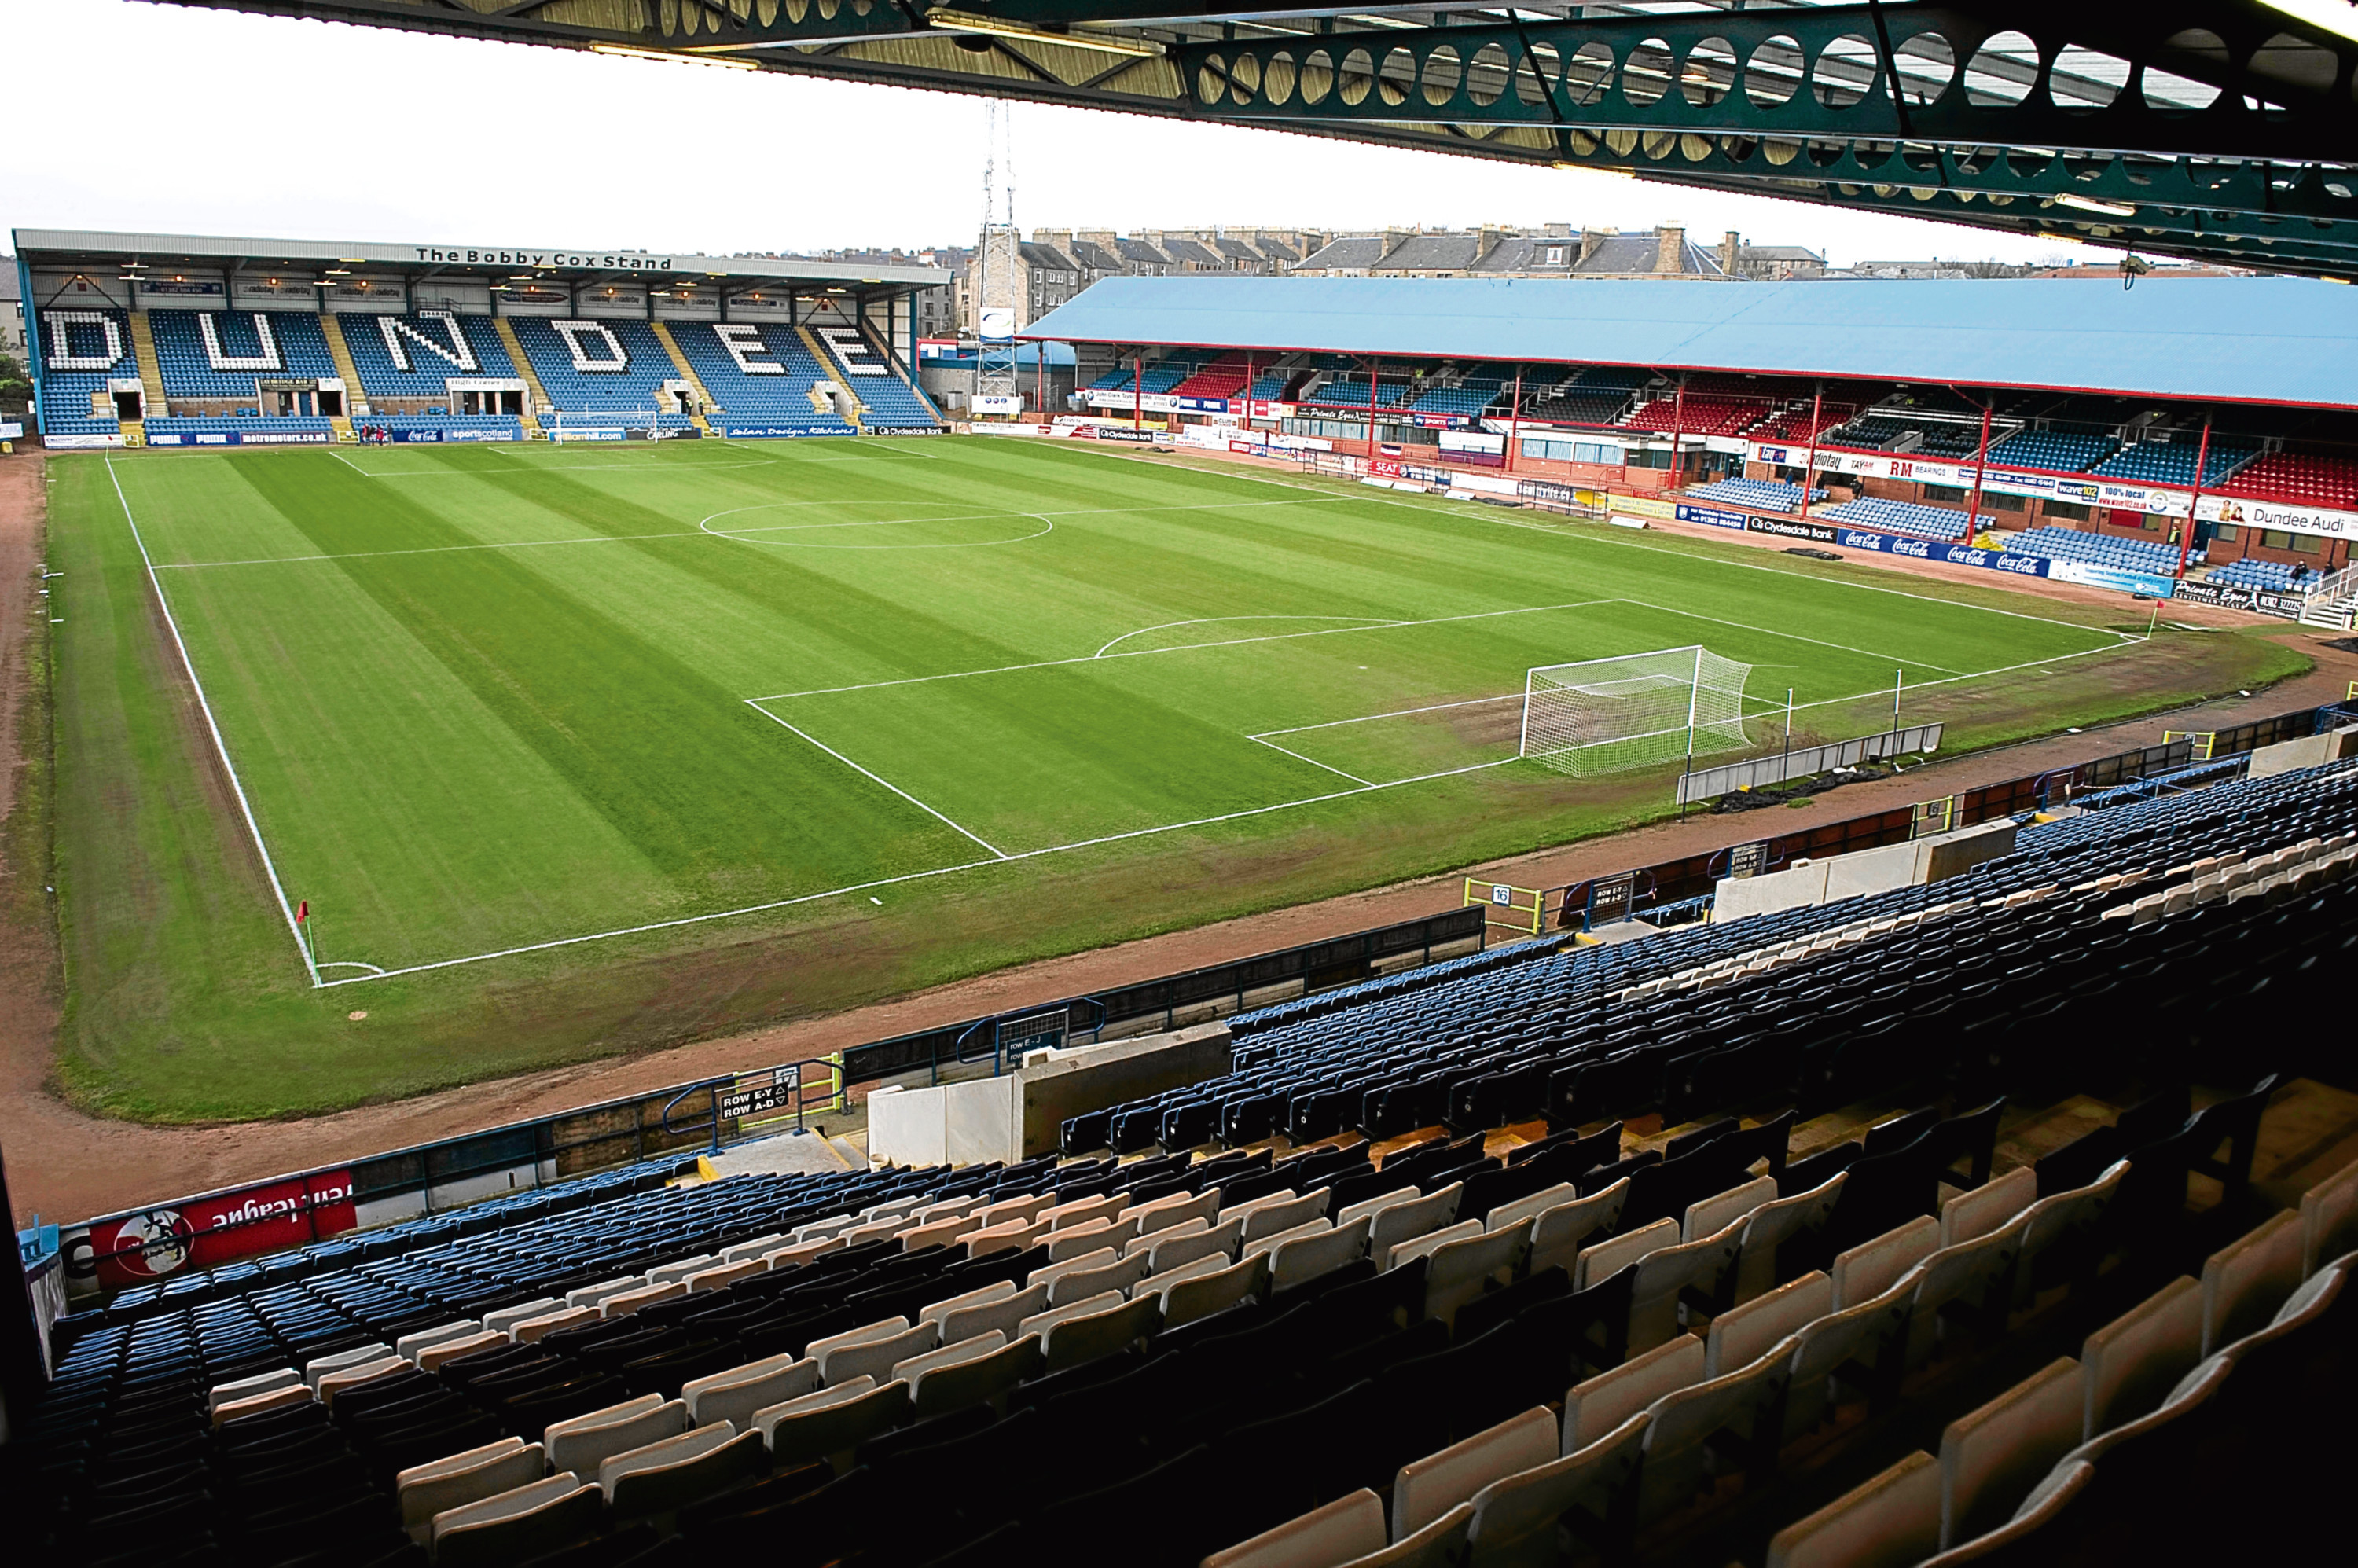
point(1809, 467)
point(2194, 502)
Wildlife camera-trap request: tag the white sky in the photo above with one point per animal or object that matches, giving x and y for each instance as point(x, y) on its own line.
point(159, 118)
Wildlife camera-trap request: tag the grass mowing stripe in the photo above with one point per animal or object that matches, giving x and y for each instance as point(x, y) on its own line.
point(672, 760)
point(212, 728)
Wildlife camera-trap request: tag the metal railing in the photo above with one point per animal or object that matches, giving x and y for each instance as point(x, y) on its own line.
point(763, 1097)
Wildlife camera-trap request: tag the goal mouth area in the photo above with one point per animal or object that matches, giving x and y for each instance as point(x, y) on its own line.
point(1633, 710)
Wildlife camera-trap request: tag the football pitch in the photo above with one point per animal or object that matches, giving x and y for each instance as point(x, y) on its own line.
point(475, 707)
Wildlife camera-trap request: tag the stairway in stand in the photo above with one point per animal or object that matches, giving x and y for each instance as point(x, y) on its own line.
point(687, 374)
point(539, 394)
point(151, 378)
point(340, 351)
point(858, 417)
point(883, 351)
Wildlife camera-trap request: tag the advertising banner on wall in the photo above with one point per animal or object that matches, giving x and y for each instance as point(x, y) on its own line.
point(2117, 578)
point(1645, 505)
point(2087, 489)
point(991, 403)
point(204, 1232)
point(1711, 517)
point(2285, 605)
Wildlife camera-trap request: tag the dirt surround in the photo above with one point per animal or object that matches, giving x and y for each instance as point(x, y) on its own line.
point(64, 1164)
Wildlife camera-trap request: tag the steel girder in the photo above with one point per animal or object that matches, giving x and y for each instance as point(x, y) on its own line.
point(2168, 77)
point(2225, 130)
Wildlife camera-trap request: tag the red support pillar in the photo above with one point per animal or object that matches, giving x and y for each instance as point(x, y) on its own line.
point(1137, 390)
point(2194, 503)
point(1810, 465)
point(1514, 418)
point(1375, 390)
point(1678, 427)
point(1981, 461)
point(1040, 378)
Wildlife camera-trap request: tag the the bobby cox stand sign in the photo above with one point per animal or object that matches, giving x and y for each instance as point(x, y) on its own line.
point(135, 1248)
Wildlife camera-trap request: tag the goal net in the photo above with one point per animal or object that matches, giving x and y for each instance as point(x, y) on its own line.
point(1634, 711)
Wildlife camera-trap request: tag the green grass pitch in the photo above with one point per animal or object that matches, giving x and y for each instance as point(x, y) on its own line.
point(546, 736)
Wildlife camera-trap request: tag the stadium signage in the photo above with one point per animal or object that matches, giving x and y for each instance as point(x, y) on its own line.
point(611, 262)
point(2287, 606)
point(1711, 516)
point(2114, 577)
point(2089, 490)
point(2274, 514)
point(133, 1249)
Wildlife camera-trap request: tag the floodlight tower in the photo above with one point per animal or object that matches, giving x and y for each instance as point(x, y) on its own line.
point(998, 262)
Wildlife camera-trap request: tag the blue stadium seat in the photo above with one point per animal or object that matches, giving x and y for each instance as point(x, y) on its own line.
point(91, 348)
point(422, 366)
point(2051, 450)
point(2154, 556)
point(623, 365)
point(1768, 494)
point(751, 400)
point(193, 346)
point(1904, 517)
point(2173, 462)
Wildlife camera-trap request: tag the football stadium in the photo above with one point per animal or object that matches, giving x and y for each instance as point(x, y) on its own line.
point(1448, 922)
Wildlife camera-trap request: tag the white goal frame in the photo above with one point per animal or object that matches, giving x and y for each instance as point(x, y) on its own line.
point(1632, 711)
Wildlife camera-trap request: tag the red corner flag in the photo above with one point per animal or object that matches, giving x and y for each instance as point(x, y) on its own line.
point(302, 912)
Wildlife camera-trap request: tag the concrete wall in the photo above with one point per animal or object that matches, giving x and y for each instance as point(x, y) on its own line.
point(2291, 756)
point(1864, 872)
point(1017, 1115)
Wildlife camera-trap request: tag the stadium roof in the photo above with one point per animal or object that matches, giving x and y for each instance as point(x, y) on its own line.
point(2216, 129)
point(2256, 340)
point(96, 248)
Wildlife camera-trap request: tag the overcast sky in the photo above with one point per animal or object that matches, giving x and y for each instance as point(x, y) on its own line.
point(158, 118)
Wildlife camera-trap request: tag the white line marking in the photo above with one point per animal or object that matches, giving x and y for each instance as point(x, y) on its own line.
point(350, 964)
point(888, 783)
point(1183, 648)
point(1489, 514)
point(916, 876)
point(221, 747)
point(1792, 636)
point(1218, 619)
point(745, 535)
point(1401, 712)
point(1312, 760)
point(426, 550)
point(665, 468)
point(719, 533)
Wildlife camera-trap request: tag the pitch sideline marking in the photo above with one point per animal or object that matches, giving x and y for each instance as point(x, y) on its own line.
point(888, 783)
point(221, 746)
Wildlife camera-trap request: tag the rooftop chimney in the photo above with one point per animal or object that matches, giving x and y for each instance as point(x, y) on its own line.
point(1671, 248)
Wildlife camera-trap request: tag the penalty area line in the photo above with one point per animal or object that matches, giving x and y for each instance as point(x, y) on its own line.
point(755, 704)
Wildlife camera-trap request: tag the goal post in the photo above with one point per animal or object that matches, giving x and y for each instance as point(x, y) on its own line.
point(1632, 711)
